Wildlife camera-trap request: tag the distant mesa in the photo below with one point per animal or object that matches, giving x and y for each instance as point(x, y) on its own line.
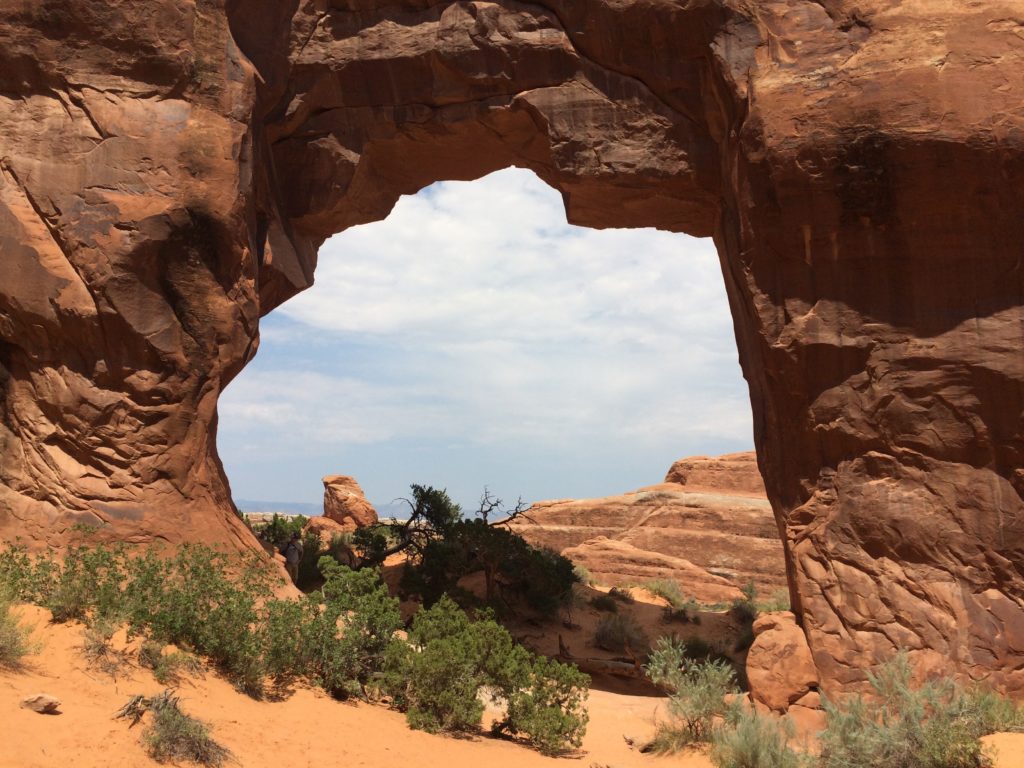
point(346, 504)
point(709, 527)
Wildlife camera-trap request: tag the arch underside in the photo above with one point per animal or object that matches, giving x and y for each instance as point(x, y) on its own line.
point(169, 169)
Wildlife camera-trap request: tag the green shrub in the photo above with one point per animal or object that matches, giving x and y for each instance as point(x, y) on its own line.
point(779, 601)
point(98, 651)
point(285, 656)
point(347, 643)
point(668, 590)
point(617, 633)
point(172, 735)
point(622, 595)
point(548, 707)
point(455, 660)
point(583, 576)
point(755, 741)
point(452, 663)
point(166, 667)
point(14, 638)
point(697, 694)
point(936, 725)
point(606, 603)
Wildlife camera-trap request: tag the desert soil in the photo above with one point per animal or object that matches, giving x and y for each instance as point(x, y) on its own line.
point(307, 728)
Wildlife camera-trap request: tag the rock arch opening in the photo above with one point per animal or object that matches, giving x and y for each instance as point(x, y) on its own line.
point(475, 338)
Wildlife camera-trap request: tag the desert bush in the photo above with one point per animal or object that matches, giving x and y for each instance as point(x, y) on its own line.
point(166, 667)
point(779, 601)
point(346, 644)
point(15, 641)
point(616, 633)
point(87, 585)
point(455, 661)
point(622, 595)
point(172, 735)
point(935, 725)
point(99, 652)
point(548, 705)
point(744, 609)
point(668, 590)
point(697, 694)
point(604, 602)
point(583, 575)
point(756, 741)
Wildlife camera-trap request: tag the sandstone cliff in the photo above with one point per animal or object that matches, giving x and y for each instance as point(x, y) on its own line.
point(168, 169)
point(712, 537)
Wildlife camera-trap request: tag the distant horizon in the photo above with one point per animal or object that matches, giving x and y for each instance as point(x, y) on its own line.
point(475, 339)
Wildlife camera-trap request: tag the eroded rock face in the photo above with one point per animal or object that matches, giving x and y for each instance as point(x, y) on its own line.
point(619, 563)
point(780, 667)
point(716, 533)
point(345, 503)
point(168, 169)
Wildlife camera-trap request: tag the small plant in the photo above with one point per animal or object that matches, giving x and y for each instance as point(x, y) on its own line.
point(605, 603)
point(618, 634)
point(697, 694)
point(755, 741)
point(167, 668)
point(98, 651)
point(668, 590)
point(779, 601)
point(622, 595)
point(14, 638)
point(172, 735)
point(935, 725)
point(583, 576)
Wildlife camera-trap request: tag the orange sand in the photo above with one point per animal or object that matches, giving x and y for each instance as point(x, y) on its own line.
point(306, 729)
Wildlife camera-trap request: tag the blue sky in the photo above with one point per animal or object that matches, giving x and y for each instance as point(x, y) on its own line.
point(475, 339)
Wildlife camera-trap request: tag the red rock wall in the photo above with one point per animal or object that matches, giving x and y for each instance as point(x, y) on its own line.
point(168, 169)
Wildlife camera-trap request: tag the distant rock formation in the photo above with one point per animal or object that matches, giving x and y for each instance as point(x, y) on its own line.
point(345, 503)
point(718, 523)
point(735, 473)
point(618, 563)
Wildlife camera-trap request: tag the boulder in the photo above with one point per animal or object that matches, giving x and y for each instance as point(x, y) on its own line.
point(345, 504)
point(43, 703)
point(780, 668)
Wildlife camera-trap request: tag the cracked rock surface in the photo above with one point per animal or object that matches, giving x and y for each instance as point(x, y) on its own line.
point(168, 169)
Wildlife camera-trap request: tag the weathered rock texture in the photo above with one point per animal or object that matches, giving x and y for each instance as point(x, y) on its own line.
point(345, 503)
point(618, 563)
point(780, 668)
point(718, 532)
point(168, 169)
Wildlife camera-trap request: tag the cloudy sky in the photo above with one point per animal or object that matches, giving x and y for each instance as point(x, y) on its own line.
point(475, 339)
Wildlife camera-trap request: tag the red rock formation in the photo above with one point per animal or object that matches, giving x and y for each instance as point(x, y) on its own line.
point(168, 169)
point(780, 668)
point(710, 528)
point(619, 563)
point(345, 504)
point(735, 473)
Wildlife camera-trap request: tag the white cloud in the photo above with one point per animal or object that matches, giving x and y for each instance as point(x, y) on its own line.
point(475, 313)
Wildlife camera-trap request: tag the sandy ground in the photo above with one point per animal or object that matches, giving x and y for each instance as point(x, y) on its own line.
point(306, 729)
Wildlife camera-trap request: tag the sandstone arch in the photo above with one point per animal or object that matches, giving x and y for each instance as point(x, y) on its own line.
point(168, 169)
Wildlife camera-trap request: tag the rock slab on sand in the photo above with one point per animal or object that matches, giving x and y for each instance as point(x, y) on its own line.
point(43, 703)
